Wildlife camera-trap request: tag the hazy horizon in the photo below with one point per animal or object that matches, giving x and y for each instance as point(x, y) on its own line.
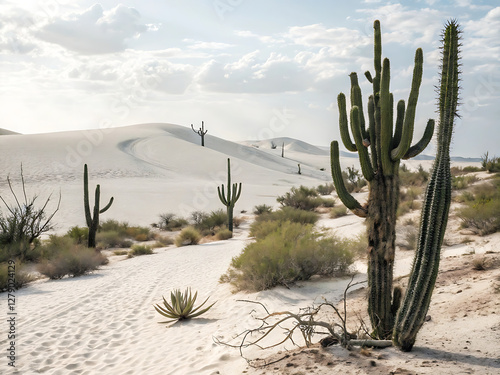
point(249, 70)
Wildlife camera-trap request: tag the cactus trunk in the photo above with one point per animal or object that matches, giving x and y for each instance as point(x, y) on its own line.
point(381, 228)
point(380, 149)
point(413, 311)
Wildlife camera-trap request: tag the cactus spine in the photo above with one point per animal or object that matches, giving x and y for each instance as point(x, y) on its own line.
point(436, 205)
point(380, 149)
point(92, 222)
point(201, 132)
point(229, 199)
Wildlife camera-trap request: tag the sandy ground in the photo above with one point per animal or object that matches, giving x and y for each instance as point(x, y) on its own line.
point(104, 323)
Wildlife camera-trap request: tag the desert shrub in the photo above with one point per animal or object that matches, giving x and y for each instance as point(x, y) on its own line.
point(74, 262)
point(108, 239)
point(457, 171)
point(188, 236)
point(120, 252)
point(290, 214)
point(139, 233)
point(462, 182)
point(482, 214)
point(492, 164)
point(338, 211)
point(78, 234)
point(24, 221)
point(407, 206)
point(163, 241)
point(290, 253)
point(261, 228)
point(170, 222)
point(20, 279)
point(325, 189)
point(208, 224)
point(408, 200)
point(479, 263)
point(304, 198)
point(466, 196)
point(237, 221)
point(353, 180)
point(224, 234)
point(262, 209)
point(140, 250)
point(112, 225)
point(409, 178)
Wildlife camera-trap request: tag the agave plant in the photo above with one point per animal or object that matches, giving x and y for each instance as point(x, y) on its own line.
point(181, 306)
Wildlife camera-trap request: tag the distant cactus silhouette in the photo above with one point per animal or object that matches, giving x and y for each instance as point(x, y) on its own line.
point(92, 222)
point(201, 132)
point(229, 199)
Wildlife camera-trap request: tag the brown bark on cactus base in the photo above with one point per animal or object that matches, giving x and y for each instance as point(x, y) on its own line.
point(381, 228)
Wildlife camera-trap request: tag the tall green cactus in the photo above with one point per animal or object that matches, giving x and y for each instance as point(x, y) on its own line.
point(380, 145)
point(229, 199)
point(436, 205)
point(92, 222)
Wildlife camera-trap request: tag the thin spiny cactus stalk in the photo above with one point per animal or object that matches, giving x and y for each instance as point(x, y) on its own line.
point(92, 221)
point(380, 148)
point(201, 132)
point(434, 218)
point(229, 199)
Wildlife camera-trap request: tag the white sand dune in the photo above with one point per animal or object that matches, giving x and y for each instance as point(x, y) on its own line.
point(149, 169)
point(104, 323)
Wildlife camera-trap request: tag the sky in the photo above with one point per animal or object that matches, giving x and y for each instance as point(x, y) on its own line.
point(250, 69)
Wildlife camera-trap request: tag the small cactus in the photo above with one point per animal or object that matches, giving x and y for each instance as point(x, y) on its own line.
point(229, 199)
point(92, 222)
point(201, 132)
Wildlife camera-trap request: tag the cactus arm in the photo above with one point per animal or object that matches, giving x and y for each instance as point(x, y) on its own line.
point(364, 157)
point(349, 201)
point(409, 121)
point(357, 100)
point(371, 131)
point(88, 217)
point(221, 195)
point(343, 124)
point(236, 192)
point(377, 55)
point(400, 116)
point(385, 118)
point(368, 76)
point(107, 206)
point(415, 305)
point(424, 141)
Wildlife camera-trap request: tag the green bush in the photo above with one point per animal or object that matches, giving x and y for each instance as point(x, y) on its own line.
point(224, 234)
point(112, 225)
point(482, 214)
point(353, 180)
point(78, 234)
point(408, 178)
point(163, 241)
point(74, 262)
point(290, 214)
point(188, 236)
point(338, 211)
point(209, 224)
point(462, 182)
point(304, 198)
point(290, 253)
point(326, 189)
point(112, 238)
point(170, 222)
point(20, 279)
point(140, 250)
point(262, 209)
point(491, 165)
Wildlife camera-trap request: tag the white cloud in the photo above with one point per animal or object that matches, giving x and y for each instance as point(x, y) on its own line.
point(481, 41)
point(407, 26)
point(95, 31)
point(252, 74)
